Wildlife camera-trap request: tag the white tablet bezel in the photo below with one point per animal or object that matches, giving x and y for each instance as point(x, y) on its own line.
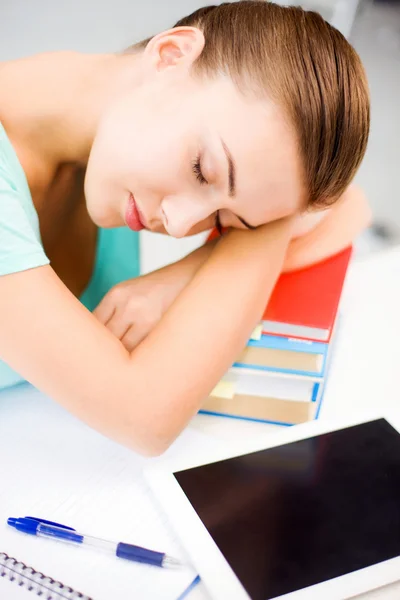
point(215, 572)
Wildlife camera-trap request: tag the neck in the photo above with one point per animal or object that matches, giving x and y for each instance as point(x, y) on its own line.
point(54, 102)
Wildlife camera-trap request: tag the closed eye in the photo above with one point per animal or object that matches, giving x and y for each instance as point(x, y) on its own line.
point(196, 168)
point(218, 224)
point(246, 224)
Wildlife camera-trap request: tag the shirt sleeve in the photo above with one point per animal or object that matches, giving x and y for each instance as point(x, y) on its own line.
point(20, 245)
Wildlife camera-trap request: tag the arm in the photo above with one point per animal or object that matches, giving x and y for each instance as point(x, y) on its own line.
point(336, 230)
point(180, 273)
point(146, 397)
point(132, 308)
point(317, 235)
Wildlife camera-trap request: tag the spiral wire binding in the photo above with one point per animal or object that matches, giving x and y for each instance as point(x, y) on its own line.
point(36, 582)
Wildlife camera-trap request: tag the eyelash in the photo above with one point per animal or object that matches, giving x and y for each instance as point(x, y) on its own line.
point(218, 223)
point(196, 167)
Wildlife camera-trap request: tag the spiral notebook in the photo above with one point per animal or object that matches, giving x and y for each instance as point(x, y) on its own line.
point(27, 579)
point(56, 468)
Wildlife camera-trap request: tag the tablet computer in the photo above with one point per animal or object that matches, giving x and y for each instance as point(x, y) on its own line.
point(312, 512)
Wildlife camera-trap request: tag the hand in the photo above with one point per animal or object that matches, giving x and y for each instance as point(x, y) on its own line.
point(131, 309)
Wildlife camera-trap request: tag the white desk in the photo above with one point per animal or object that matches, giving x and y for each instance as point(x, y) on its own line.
point(363, 380)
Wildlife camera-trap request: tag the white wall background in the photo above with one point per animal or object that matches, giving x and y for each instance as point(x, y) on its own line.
point(376, 36)
point(28, 26)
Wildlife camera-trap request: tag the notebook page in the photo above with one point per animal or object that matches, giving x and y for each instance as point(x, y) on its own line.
point(54, 467)
point(13, 592)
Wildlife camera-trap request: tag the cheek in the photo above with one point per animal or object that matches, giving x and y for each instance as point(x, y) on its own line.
point(261, 209)
point(159, 170)
point(142, 151)
point(105, 196)
point(143, 159)
point(156, 147)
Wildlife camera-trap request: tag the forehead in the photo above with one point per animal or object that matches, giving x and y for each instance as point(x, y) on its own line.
point(264, 148)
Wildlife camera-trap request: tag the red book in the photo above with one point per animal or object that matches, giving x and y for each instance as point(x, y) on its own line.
point(304, 303)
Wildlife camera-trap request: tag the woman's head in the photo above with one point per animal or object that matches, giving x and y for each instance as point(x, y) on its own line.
point(269, 100)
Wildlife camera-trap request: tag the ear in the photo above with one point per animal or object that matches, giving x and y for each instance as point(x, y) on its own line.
point(178, 47)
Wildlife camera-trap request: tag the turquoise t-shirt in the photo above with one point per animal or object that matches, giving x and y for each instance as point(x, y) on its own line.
point(117, 254)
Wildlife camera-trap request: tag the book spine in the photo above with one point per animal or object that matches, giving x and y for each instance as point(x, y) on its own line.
point(245, 370)
point(277, 370)
point(315, 392)
point(285, 343)
point(323, 337)
point(228, 416)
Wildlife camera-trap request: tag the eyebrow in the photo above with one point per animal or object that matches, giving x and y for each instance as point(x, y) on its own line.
point(232, 180)
point(231, 170)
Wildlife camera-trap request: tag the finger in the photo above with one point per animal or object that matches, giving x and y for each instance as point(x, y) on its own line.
point(118, 325)
point(105, 309)
point(133, 336)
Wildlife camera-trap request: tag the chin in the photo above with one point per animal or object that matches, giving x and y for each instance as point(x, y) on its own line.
point(101, 212)
point(104, 218)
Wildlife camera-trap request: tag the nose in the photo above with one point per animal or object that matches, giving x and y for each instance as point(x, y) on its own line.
point(180, 214)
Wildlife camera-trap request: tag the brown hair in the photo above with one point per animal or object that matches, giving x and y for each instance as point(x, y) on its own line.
point(307, 67)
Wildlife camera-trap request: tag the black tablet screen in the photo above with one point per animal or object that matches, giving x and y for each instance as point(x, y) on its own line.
point(305, 512)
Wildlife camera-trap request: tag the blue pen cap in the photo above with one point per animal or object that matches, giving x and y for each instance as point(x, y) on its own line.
point(25, 525)
point(12, 521)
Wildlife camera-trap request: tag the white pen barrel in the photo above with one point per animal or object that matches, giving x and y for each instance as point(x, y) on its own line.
point(94, 542)
point(71, 536)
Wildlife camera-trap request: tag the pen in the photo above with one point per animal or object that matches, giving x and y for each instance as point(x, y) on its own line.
point(56, 531)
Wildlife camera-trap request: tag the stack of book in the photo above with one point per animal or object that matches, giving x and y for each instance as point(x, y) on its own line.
point(280, 376)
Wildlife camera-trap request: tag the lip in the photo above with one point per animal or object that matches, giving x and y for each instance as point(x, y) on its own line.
point(133, 218)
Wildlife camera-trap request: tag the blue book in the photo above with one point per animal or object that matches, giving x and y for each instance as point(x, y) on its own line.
point(267, 407)
point(284, 355)
point(278, 342)
point(274, 411)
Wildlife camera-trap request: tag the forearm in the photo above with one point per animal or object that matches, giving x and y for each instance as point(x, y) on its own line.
point(180, 273)
point(202, 333)
point(193, 261)
point(339, 228)
point(146, 397)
